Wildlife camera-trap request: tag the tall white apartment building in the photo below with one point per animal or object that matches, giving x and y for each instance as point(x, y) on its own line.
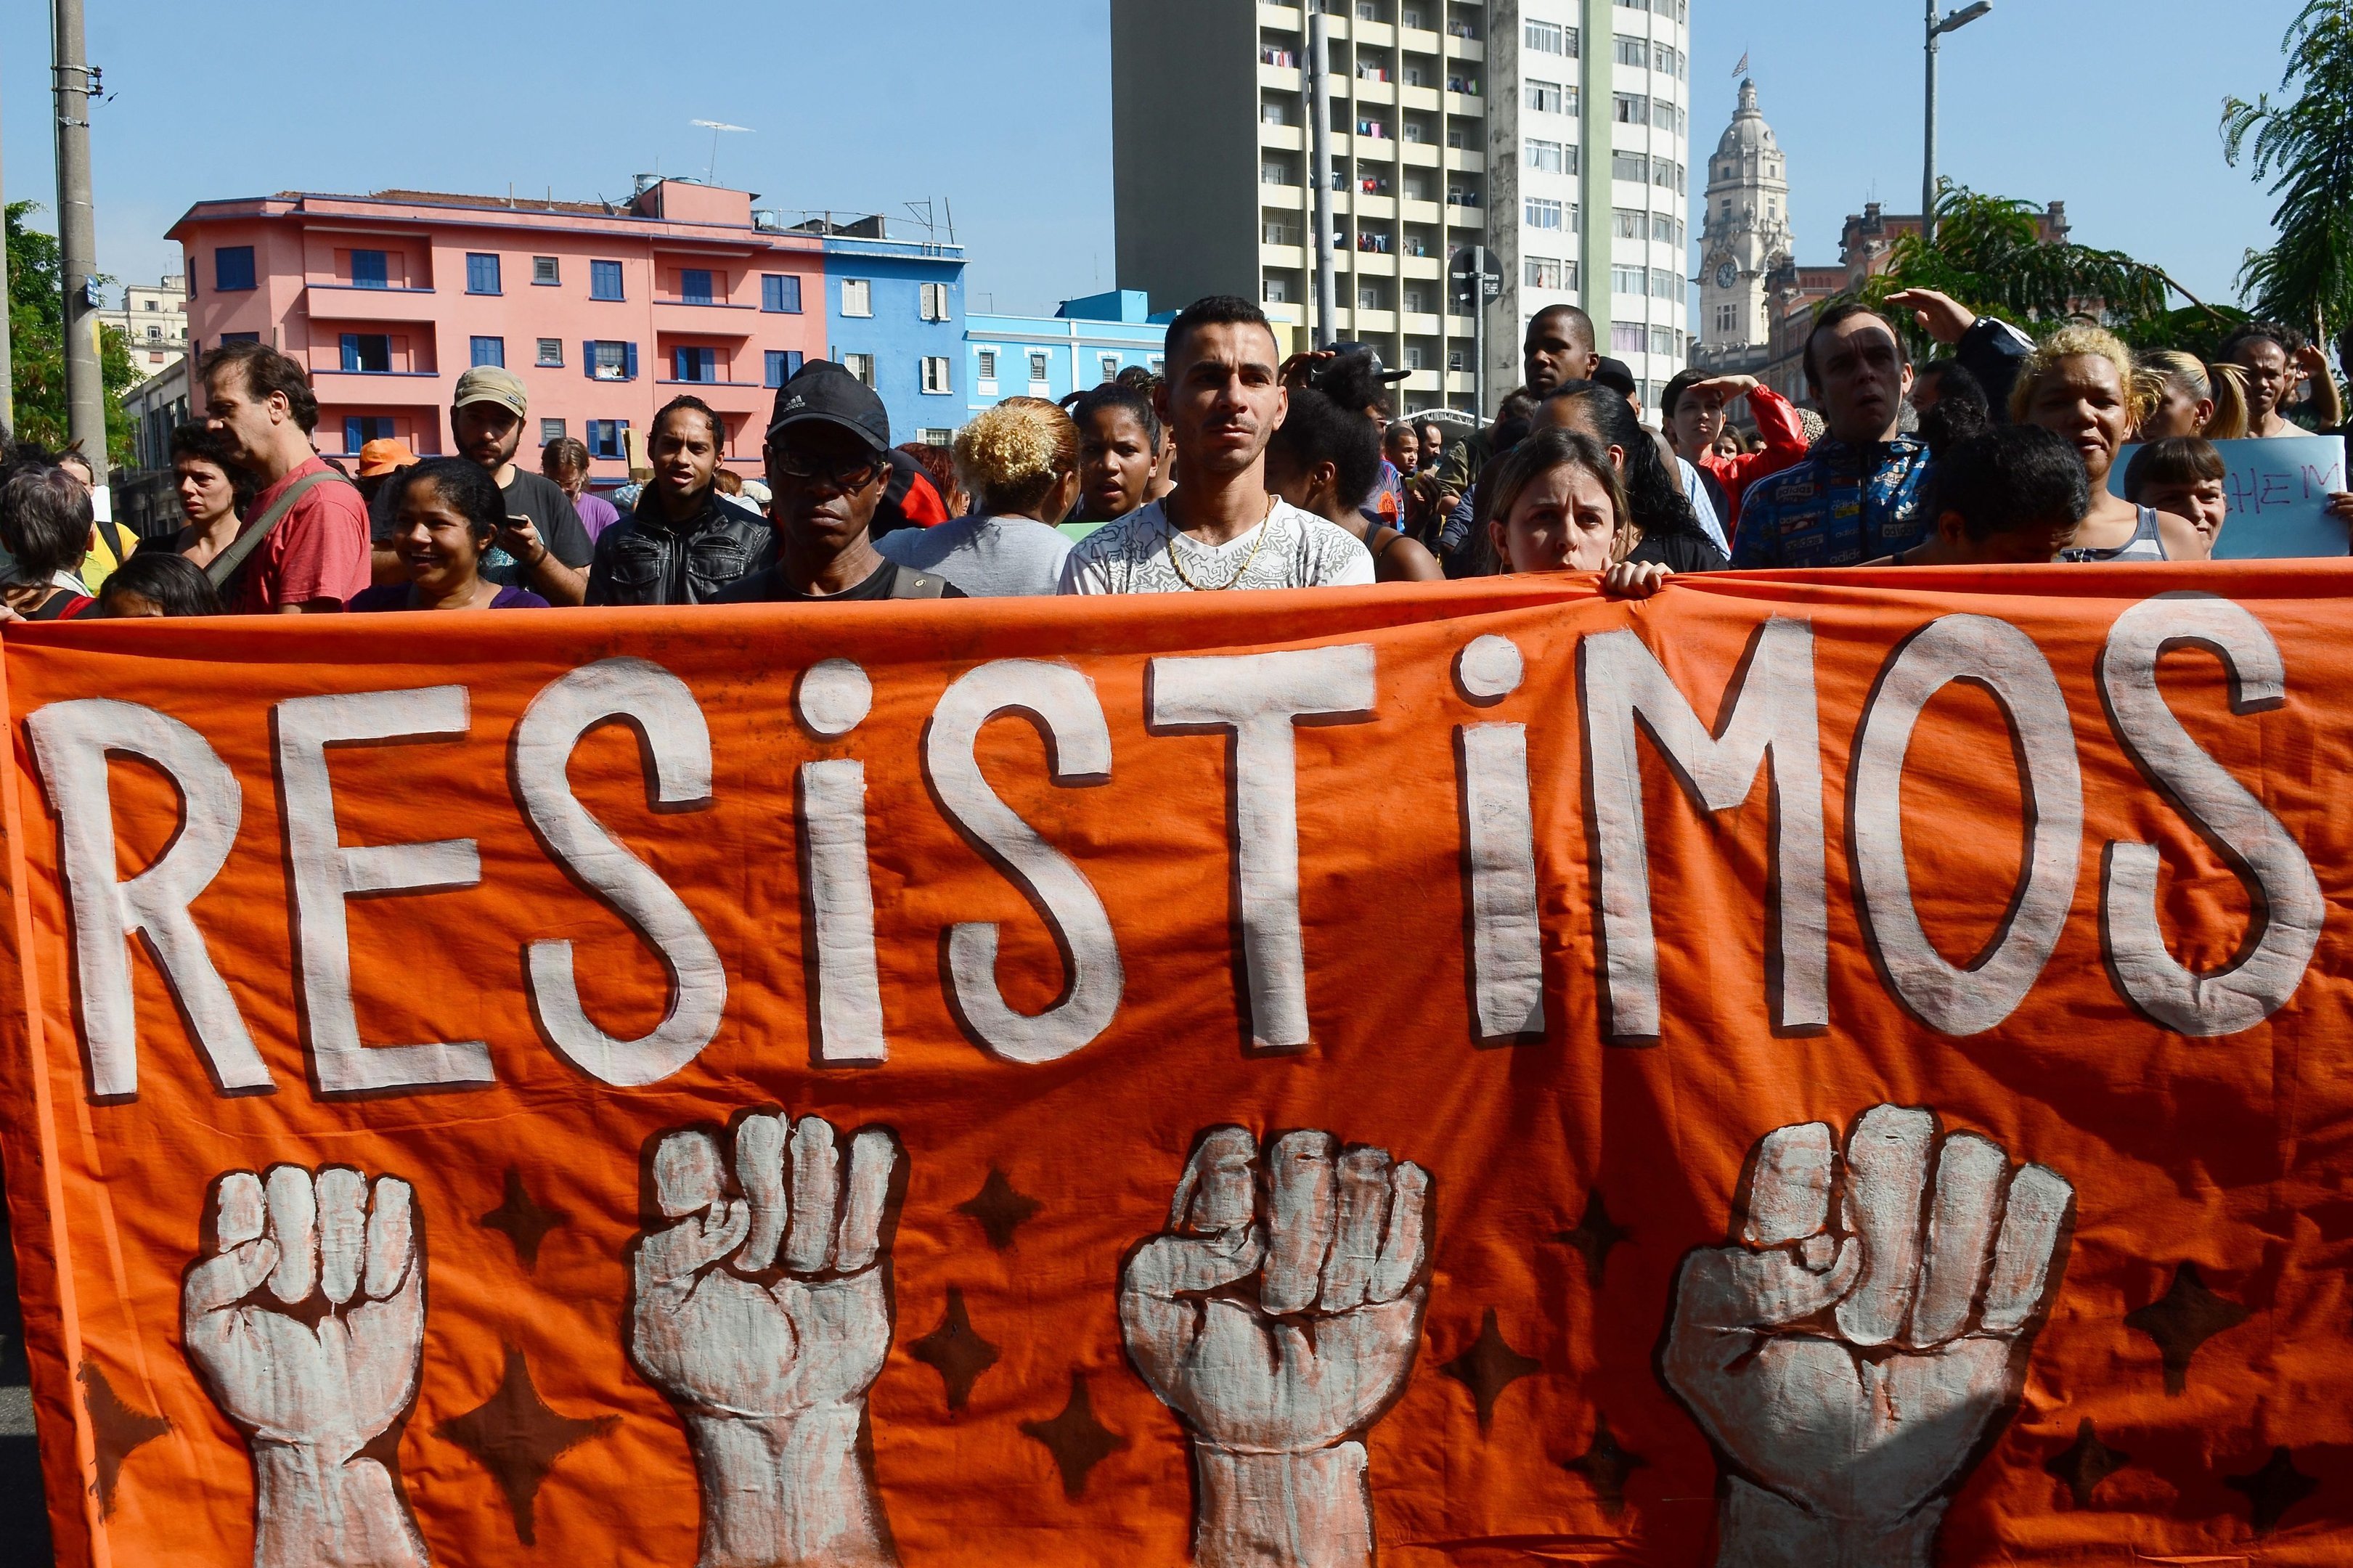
point(1554, 131)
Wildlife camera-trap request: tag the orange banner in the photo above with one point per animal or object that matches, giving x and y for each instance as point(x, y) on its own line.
point(1848, 1071)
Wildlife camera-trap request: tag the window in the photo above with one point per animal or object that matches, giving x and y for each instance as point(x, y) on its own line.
point(1665, 285)
point(603, 359)
point(1273, 114)
point(933, 436)
point(604, 280)
point(154, 334)
point(1277, 291)
point(233, 266)
point(359, 429)
point(1413, 357)
point(550, 430)
point(1543, 272)
point(932, 303)
point(1629, 337)
point(1545, 38)
point(857, 297)
point(1457, 360)
point(782, 366)
point(1274, 171)
point(371, 269)
point(1110, 367)
point(1666, 230)
point(1626, 222)
point(695, 286)
point(1727, 318)
point(1038, 366)
point(1630, 166)
point(1635, 280)
point(987, 365)
point(367, 353)
point(1667, 174)
point(1461, 196)
point(694, 364)
point(482, 274)
point(606, 437)
point(1662, 341)
point(1634, 52)
point(1630, 108)
point(780, 293)
point(551, 353)
point(241, 337)
point(1544, 213)
point(1369, 295)
point(861, 366)
point(543, 270)
point(1662, 114)
point(1545, 157)
point(935, 373)
point(488, 351)
point(1544, 95)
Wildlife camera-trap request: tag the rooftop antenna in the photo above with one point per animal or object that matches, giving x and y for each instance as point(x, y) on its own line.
point(922, 213)
point(711, 170)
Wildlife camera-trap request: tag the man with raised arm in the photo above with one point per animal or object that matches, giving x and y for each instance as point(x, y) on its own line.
point(1857, 496)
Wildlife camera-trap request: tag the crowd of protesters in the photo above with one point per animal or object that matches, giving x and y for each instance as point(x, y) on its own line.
point(1242, 469)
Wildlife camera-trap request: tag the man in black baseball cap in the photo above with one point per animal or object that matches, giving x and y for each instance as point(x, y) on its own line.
point(829, 464)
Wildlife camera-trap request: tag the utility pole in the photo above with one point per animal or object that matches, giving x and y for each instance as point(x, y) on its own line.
point(1952, 22)
point(78, 238)
point(1319, 138)
point(7, 353)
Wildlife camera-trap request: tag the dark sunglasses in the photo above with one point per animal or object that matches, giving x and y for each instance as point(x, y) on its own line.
point(845, 473)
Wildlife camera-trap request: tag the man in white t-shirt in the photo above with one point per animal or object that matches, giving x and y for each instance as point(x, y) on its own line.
point(1222, 400)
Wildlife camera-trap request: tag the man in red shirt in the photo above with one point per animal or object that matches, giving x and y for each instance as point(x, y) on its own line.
point(1693, 410)
point(315, 555)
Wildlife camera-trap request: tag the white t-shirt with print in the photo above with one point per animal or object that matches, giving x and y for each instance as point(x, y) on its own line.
point(1292, 548)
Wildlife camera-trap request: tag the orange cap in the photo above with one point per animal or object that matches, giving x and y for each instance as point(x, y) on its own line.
point(379, 457)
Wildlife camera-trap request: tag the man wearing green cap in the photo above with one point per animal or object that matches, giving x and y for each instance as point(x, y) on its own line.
point(543, 548)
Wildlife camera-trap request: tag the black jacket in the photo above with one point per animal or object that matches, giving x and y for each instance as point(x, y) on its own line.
point(646, 559)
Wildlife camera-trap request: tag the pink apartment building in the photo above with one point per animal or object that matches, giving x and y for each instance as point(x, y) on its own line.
point(606, 311)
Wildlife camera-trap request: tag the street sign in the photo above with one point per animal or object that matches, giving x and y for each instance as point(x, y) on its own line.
point(1476, 259)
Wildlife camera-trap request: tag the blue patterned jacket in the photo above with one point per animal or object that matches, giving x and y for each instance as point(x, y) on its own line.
point(1843, 505)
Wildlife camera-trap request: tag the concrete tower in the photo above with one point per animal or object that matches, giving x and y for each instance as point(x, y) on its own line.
point(1744, 234)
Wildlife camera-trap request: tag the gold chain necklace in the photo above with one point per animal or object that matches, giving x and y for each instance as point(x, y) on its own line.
point(1256, 545)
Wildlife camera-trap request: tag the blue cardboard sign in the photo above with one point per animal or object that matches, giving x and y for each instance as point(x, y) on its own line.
point(2278, 493)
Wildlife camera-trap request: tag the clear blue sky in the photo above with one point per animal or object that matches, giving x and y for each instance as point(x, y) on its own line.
point(1003, 107)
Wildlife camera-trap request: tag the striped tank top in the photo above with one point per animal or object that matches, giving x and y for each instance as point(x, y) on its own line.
point(2146, 545)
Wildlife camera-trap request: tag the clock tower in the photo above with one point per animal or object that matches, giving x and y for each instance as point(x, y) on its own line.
point(1743, 230)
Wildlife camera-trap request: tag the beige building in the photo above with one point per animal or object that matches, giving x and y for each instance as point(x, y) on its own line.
point(1554, 131)
point(153, 321)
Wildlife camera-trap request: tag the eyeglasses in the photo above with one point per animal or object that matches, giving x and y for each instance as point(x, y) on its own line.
point(853, 473)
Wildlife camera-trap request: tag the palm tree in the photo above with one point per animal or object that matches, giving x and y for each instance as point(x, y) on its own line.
point(2306, 149)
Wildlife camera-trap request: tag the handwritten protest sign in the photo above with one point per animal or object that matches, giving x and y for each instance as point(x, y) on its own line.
point(1792, 1071)
point(2278, 495)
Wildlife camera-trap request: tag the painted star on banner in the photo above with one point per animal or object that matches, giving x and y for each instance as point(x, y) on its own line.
point(2085, 1463)
point(998, 1209)
point(1490, 1366)
point(956, 1351)
point(518, 1439)
point(1606, 1465)
point(1077, 1440)
point(116, 1429)
point(2183, 1319)
point(523, 1221)
point(1593, 1238)
point(2272, 1491)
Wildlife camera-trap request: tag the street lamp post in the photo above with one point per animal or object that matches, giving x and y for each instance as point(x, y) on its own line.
point(1952, 22)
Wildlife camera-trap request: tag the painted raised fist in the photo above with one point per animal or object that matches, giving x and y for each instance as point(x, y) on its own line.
point(307, 1323)
point(1848, 1373)
point(763, 1310)
point(1279, 1315)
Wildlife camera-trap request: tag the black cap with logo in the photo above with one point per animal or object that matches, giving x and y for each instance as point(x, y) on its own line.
point(824, 392)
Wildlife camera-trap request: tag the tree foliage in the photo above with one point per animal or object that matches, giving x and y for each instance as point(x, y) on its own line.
point(36, 331)
point(1988, 253)
point(2305, 147)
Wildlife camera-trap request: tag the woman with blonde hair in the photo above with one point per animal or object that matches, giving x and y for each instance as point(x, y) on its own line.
point(2080, 383)
point(1019, 461)
point(2193, 398)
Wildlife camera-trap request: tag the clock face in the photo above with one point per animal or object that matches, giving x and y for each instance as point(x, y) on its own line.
point(1726, 275)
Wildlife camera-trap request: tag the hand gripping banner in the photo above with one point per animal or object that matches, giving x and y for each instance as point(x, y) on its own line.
point(1848, 1072)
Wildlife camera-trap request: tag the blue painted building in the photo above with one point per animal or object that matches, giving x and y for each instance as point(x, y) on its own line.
point(895, 316)
point(1086, 343)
